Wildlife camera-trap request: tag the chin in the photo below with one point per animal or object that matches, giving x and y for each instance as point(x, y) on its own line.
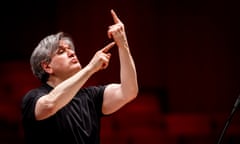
point(77, 69)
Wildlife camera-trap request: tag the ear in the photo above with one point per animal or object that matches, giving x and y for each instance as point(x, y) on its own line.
point(46, 67)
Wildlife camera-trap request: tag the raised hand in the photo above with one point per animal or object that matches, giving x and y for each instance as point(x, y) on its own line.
point(101, 58)
point(117, 31)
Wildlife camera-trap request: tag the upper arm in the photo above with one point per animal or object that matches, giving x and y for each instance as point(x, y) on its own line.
point(113, 98)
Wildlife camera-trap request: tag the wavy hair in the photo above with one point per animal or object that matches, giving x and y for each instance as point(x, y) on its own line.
point(44, 51)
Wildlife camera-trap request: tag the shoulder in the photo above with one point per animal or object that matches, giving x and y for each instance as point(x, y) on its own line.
point(33, 95)
point(42, 90)
point(93, 90)
point(92, 93)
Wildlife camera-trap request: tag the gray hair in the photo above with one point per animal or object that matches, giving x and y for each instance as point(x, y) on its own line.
point(44, 51)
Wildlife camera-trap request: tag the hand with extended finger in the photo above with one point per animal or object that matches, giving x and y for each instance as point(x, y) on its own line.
point(117, 31)
point(101, 58)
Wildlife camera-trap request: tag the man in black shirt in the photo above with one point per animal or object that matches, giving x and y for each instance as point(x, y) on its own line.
point(61, 110)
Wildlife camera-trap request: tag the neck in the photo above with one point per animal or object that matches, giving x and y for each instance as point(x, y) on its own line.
point(53, 81)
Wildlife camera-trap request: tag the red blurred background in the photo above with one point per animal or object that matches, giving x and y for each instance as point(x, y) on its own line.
point(186, 54)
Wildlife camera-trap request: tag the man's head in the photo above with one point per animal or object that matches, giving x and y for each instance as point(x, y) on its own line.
point(44, 52)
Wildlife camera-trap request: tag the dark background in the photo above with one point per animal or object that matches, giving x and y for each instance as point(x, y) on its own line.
point(186, 54)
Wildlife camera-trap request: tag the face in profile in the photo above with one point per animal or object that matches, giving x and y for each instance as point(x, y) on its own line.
point(64, 61)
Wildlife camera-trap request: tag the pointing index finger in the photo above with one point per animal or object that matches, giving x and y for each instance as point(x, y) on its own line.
point(115, 17)
point(108, 47)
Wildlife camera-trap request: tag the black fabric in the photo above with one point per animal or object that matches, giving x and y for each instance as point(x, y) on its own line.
point(76, 123)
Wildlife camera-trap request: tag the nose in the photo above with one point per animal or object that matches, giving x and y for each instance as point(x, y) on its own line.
point(70, 53)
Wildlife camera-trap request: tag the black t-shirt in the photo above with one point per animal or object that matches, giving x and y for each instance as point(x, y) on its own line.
point(76, 123)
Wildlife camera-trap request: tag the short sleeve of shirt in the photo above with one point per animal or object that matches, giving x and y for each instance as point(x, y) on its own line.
point(96, 94)
point(77, 122)
point(29, 102)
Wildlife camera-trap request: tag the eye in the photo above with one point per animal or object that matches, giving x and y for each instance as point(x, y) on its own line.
point(60, 50)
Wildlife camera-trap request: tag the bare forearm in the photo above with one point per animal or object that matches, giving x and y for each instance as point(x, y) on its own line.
point(61, 94)
point(128, 73)
point(66, 90)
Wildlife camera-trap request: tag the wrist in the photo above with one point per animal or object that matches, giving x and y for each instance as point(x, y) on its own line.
point(89, 69)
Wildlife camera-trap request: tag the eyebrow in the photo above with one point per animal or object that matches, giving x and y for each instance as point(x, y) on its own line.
point(65, 47)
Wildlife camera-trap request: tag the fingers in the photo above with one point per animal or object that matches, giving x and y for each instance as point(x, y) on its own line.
point(115, 17)
point(116, 27)
point(109, 34)
point(108, 47)
point(106, 61)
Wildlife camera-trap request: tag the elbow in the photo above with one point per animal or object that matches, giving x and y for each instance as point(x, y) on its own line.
point(44, 110)
point(134, 93)
point(51, 109)
point(45, 113)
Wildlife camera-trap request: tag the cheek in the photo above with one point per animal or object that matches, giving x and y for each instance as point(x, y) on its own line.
point(58, 62)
